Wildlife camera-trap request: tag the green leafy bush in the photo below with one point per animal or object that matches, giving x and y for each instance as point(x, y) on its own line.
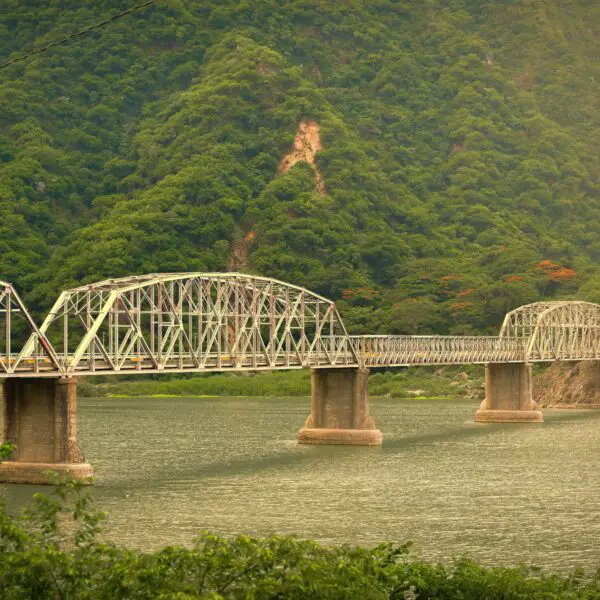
point(53, 550)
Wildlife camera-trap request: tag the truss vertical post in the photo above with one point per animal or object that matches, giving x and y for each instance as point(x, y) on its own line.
point(8, 329)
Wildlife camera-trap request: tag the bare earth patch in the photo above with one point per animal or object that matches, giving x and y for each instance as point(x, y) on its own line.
point(569, 385)
point(306, 145)
point(238, 260)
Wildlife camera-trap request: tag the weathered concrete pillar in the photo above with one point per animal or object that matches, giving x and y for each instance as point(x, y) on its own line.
point(40, 419)
point(340, 409)
point(508, 395)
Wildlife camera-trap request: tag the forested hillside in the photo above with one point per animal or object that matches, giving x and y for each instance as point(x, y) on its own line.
point(454, 142)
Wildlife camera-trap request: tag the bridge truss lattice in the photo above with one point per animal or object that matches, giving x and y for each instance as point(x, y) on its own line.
point(195, 322)
point(559, 330)
point(16, 326)
point(408, 350)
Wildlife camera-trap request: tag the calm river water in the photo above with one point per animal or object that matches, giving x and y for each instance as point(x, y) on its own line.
point(169, 467)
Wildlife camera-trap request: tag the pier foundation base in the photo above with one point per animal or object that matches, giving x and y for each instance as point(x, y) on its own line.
point(508, 395)
point(340, 409)
point(39, 417)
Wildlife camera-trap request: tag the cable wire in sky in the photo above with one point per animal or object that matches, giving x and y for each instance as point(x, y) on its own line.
point(78, 33)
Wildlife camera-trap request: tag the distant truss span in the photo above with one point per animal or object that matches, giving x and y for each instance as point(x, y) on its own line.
point(195, 322)
point(558, 330)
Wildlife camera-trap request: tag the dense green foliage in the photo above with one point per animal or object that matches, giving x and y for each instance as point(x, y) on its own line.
point(459, 150)
point(6, 450)
point(420, 382)
point(53, 551)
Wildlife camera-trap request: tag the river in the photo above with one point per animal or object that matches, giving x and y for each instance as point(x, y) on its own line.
point(167, 468)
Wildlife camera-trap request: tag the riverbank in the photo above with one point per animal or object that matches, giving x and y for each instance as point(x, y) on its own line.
point(422, 382)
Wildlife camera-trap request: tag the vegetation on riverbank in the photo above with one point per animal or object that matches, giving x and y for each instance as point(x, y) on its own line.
point(53, 550)
point(422, 382)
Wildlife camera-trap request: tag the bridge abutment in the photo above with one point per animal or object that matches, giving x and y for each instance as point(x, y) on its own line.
point(508, 395)
point(40, 419)
point(340, 409)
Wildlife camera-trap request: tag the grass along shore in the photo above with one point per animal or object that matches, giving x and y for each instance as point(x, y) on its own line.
point(418, 382)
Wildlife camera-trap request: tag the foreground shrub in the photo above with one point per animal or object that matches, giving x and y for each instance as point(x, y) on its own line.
point(52, 551)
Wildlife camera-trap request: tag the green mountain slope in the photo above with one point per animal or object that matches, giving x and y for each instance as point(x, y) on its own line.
point(455, 169)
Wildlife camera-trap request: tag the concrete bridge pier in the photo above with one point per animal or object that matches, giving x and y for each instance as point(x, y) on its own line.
point(39, 417)
point(340, 409)
point(508, 395)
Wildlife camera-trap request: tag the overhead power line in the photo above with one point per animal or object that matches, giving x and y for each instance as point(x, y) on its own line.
point(78, 33)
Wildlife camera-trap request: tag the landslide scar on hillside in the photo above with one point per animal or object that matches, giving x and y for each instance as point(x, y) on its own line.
point(306, 145)
point(238, 260)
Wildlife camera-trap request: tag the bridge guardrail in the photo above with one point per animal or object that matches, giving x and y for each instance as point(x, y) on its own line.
point(406, 350)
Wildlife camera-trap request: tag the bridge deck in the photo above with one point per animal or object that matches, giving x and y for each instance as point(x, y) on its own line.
point(372, 351)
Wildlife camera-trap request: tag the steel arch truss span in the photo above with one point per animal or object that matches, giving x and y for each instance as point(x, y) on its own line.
point(407, 350)
point(556, 330)
point(195, 322)
point(16, 328)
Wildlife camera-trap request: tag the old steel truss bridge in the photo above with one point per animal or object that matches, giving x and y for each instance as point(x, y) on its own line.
point(200, 322)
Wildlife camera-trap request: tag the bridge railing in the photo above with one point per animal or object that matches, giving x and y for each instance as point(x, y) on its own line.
point(406, 350)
